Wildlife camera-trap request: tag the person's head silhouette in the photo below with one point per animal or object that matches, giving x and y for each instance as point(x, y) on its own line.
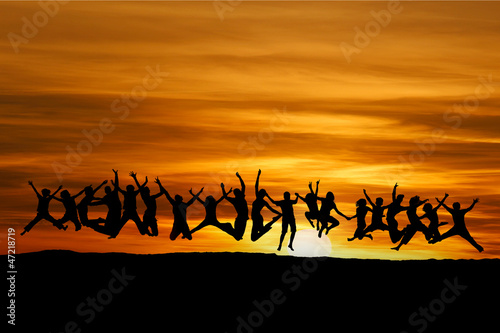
point(456, 205)
point(399, 198)
point(65, 194)
point(130, 188)
point(361, 203)
point(330, 196)
point(237, 193)
point(261, 194)
point(286, 195)
point(379, 201)
point(178, 198)
point(89, 190)
point(210, 200)
point(45, 192)
point(145, 191)
point(427, 208)
point(107, 189)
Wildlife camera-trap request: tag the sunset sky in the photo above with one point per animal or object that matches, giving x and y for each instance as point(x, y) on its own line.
point(263, 85)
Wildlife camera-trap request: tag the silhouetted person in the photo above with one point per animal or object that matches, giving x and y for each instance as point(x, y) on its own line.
point(361, 212)
point(459, 228)
point(288, 217)
point(327, 204)
point(179, 209)
point(130, 209)
point(43, 209)
point(393, 209)
point(240, 204)
point(258, 227)
point(71, 214)
point(83, 206)
point(377, 214)
point(211, 213)
point(415, 223)
point(311, 200)
point(431, 214)
point(149, 218)
point(112, 201)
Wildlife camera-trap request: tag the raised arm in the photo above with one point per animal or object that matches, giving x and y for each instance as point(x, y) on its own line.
point(195, 197)
point(134, 176)
point(421, 202)
point(55, 192)
point(78, 194)
point(270, 199)
point(34, 188)
point(164, 191)
point(224, 194)
point(473, 204)
point(257, 183)
point(116, 183)
point(441, 202)
point(317, 188)
point(394, 192)
point(270, 208)
point(296, 199)
point(368, 198)
point(101, 185)
point(242, 183)
point(310, 185)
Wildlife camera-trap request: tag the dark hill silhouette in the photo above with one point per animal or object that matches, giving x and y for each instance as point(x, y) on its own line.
point(207, 292)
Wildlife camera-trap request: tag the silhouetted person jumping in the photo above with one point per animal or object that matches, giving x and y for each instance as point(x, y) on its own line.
point(377, 214)
point(431, 214)
point(327, 204)
point(130, 209)
point(83, 206)
point(415, 223)
point(361, 212)
point(393, 209)
point(211, 213)
point(179, 209)
point(311, 200)
point(112, 201)
point(240, 204)
point(43, 209)
point(149, 218)
point(258, 227)
point(459, 228)
point(71, 213)
point(288, 217)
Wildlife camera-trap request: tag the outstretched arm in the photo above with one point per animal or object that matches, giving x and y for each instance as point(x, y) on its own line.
point(339, 212)
point(78, 194)
point(101, 185)
point(34, 188)
point(317, 188)
point(368, 198)
point(310, 185)
point(242, 183)
point(421, 202)
point(473, 204)
point(440, 202)
point(296, 199)
point(116, 183)
point(195, 197)
point(55, 192)
point(162, 190)
point(224, 194)
point(257, 183)
point(301, 198)
point(270, 199)
point(270, 208)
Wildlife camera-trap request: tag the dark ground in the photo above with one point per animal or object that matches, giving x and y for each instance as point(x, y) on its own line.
point(218, 292)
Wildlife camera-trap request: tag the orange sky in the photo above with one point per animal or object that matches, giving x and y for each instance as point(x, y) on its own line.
point(267, 87)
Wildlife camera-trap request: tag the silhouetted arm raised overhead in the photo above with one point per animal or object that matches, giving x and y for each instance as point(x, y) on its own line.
point(34, 188)
point(164, 191)
point(257, 184)
point(368, 198)
point(116, 183)
point(296, 198)
point(472, 206)
point(317, 188)
point(440, 202)
point(301, 198)
point(270, 199)
point(242, 183)
point(52, 196)
point(195, 197)
point(394, 192)
point(224, 194)
point(421, 202)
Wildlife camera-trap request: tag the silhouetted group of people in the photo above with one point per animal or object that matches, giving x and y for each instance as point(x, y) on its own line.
point(118, 216)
